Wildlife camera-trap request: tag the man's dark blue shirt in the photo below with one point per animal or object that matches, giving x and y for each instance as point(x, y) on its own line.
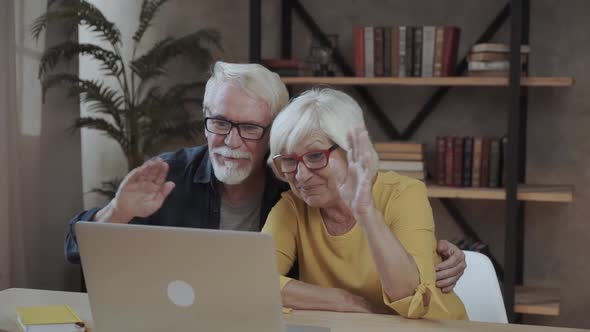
point(194, 202)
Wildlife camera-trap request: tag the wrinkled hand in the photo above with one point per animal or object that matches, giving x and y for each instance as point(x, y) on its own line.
point(142, 191)
point(451, 268)
point(357, 187)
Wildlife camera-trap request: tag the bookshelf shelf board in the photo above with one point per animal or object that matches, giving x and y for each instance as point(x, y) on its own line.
point(431, 81)
point(537, 301)
point(535, 193)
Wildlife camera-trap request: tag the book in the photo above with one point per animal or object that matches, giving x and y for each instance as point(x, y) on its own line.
point(54, 318)
point(402, 32)
point(396, 146)
point(449, 155)
point(387, 51)
point(409, 55)
point(493, 56)
point(458, 162)
point(497, 47)
point(417, 51)
point(488, 65)
point(495, 163)
point(451, 37)
point(428, 47)
point(492, 73)
point(395, 47)
point(467, 160)
point(369, 52)
point(400, 156)
point(394, 165)
point(359, 50)
point(476, 165)
point(378, 50)
point(438, 51)
point(484, 172)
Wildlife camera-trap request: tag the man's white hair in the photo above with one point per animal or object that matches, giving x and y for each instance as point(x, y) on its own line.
point(318, 111)
point(256, 80)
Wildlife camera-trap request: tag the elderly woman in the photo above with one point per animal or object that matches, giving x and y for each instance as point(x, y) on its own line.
point(364, 240)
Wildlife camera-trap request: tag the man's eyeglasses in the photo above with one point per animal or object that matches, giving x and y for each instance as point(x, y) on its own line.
point(224, 127)
point(313, 160)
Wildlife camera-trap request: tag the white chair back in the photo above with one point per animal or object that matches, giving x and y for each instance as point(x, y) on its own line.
point(479, 290)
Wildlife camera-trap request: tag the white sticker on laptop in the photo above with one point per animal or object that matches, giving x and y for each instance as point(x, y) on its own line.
point(181, 293)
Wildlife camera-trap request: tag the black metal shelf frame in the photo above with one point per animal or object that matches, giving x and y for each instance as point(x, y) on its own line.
point(518, 11)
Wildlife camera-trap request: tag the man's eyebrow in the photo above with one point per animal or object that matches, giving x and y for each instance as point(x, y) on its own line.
point(221, 117)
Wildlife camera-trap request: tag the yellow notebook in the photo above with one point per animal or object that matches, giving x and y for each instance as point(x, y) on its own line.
point(55, 318)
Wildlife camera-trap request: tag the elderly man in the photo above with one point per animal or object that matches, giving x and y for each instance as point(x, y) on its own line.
point(224, 184)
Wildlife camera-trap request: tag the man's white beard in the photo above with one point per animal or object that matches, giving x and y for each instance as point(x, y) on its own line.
point(230, 173)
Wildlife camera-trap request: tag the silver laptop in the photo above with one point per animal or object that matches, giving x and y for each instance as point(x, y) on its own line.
point(151, 278)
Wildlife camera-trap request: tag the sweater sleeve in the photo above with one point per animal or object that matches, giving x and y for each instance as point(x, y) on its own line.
point(281, 224)
point(412, 223)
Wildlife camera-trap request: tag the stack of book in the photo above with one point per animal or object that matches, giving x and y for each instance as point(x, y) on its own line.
point(490, 59)
point(283, 67)
point(405, 51)
point(470, 161)
point(405, 158)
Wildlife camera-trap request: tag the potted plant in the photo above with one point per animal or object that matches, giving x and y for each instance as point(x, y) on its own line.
point(137, 113)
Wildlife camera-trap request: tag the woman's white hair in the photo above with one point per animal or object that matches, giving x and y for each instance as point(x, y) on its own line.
point(318, 111)
point(255, 79)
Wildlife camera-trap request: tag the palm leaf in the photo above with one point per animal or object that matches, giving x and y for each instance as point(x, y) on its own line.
point(159, 106)
point(99, 97)
point(149, 8)
point(165, 116)
point(68, 50)
point(106, 128)
point(79, 12)
point(196, 47)
point(160, 134)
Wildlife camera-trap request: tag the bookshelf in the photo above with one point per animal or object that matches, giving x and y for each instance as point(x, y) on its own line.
point(529, 193)
point(518, 299)
point(553, 82)
point(537, 301)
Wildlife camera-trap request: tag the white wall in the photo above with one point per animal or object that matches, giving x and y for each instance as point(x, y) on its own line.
point(102, 159)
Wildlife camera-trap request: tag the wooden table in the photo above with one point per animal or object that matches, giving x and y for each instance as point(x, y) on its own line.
point(337, 322)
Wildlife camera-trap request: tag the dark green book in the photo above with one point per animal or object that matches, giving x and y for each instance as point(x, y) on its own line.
point(417, 52)
point(495, 163)
point(409, 51)
point(387, 51)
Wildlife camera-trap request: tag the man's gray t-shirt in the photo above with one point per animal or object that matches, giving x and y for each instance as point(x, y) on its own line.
point(242, 218)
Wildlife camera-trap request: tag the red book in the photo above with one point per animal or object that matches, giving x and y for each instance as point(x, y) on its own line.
point(458, 162)
point(449, 156)
point(450, 49)
point(440, 160)
point(358, 33)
